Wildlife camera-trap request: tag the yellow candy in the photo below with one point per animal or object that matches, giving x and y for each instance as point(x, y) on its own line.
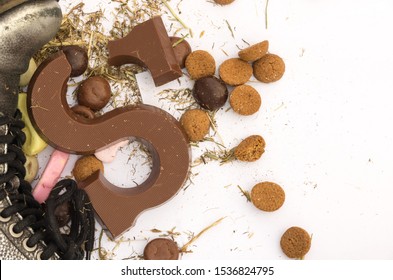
point(34, 143)
point(26, 77)
point(31, 167)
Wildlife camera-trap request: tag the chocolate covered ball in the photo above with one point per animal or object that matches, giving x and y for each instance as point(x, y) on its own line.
point(83, 111)
point(210, 92)
point(94, 93)
point(63, 214)
point(77, 58)
point(161, 249)
point(181, 49)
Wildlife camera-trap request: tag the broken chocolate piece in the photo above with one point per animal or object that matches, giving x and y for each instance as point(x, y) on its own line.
point(161, 133)
point(147, 45)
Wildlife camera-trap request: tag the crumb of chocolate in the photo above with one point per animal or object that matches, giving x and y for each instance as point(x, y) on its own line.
point(245, 100)
point(269, 68)
point(200, 64)
point(250, 149)
point(254, 52)
point(295, 242)
point(196, 124)
point(267, 196)
point(235, 71)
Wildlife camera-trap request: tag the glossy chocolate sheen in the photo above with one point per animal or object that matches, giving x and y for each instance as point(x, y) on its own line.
point(210, 93)
point(117, 208)
point(147, 45)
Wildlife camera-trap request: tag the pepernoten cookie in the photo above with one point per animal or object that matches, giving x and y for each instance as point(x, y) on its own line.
point(250, 149)
point(224, 2)
point(200, 64)
point(295, 242)
point(254, 52)
point(267, 196)
point(269, 68)
point(86, 166)
point(245, 100)
point(195, 123)
point(235, 71)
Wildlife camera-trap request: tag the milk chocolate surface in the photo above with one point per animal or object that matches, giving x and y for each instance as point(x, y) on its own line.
point(147, 45)
point(117, 208)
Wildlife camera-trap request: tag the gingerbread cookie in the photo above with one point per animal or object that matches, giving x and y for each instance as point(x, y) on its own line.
point(200, 64)
point(250, 149)
point(295, 242)
point(196, 124)
point(267, 196)
point(269, 68)
point(235, 71)
point(245, 100)
point(86, 166)
point(254, 52)
point(161, 249)
point(224, 2)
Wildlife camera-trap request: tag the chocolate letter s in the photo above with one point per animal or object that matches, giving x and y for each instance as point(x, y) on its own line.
point(117, 208)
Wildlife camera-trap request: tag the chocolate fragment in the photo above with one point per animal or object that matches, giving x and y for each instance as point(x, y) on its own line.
point(94, 93)
point(147, 45)
point(182, 50)
point(83, 111)
point(210, 93)
point(161, 249)
point(77, 57)
point(63, 214)
point(117, 208)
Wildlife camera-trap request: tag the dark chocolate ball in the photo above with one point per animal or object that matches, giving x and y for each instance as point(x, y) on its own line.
point(182, 50)
point(94, 93)
point(63, 214)
point(83, 111)
point(210, 92)
point(77, 58)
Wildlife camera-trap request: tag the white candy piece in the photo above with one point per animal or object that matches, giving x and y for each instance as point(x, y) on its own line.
point(26, 77)
point(108, 155)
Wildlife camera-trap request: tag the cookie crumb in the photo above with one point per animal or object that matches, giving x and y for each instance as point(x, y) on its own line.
point(267, 196)
point(254, 52)
point(235, 71)
point(250, 149)
point(245, 100)
point(200, 64)
point(269, 68)
point(295, 242)
point(86, 166)
point(196, 124)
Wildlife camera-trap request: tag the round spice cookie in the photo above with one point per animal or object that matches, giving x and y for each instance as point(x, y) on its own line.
point(86, 166)
point(161, 249)
point(196, 124)
point(235, 71)
point(267, 196)
point(200, 64)
point(250, 149)
point(245, 100)
point(269, 68)
point(254, 52)
point(94, 93)
point(223, 2)
point(295, 242)
point(210, 93)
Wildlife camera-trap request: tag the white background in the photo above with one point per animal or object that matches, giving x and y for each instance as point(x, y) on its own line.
point(326, 125)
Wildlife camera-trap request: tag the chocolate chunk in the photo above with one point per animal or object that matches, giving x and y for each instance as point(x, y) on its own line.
point(210, 93)
point(182, 50)
point(63, 214)
point(161, 249)
point(116, 208)
point(77, 57)
point(83, 111)
point(94, 93)
point(147, 45)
